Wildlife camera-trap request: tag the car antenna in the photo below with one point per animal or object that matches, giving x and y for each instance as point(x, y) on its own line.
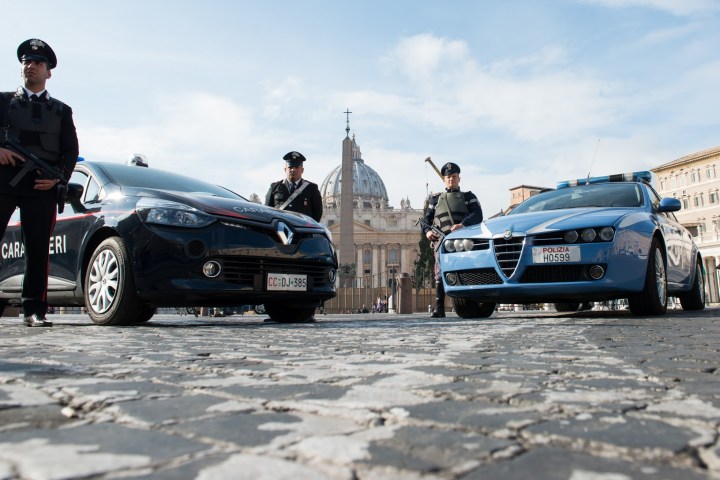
point(587, 180)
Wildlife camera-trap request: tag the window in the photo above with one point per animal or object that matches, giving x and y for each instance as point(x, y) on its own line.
point(393, 255)
point(686, 203)
point(713, 197)
point(367, 256)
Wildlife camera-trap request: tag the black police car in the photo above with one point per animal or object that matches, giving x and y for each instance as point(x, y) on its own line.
point(132, 239)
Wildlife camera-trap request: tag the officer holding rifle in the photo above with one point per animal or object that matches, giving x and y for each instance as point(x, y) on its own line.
point(39, 129)
point(448, 211)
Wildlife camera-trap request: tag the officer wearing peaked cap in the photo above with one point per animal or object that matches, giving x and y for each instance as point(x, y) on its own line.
point(43, 126)
point(449, 210)
point(295, 193)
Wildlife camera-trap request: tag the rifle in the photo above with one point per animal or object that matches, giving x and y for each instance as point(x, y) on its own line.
point(429, 160)
point(32, 162)
point(436, 230)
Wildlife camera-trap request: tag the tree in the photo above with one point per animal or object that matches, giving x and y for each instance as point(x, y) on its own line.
point(425, 264)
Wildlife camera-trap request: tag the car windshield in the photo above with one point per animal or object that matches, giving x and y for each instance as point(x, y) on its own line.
point(623, 195)
point(141, 177)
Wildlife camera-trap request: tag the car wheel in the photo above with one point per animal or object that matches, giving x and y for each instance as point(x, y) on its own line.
point(695, 298)
point(290, 314)
point(469, 308)
point(567, 307)
point(110, 296)
point(653, 298)
point(147, 314)
point(260, 309)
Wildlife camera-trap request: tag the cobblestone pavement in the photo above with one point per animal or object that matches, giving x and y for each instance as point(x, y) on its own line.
point(529, 395)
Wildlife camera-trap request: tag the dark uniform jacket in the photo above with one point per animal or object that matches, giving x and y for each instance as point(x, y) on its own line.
point(473, 216)
point(309, 201)
point(59, 148)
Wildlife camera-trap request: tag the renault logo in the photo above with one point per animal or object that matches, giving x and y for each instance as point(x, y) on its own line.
point(285, 233)
point(507, 235)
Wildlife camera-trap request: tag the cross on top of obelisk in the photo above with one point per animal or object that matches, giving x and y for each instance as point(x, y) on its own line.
point(347, 119)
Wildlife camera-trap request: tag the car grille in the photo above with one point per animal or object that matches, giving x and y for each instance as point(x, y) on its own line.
point(507, 253)
point(553, 238)
point(483, 276)
point(555, 274)
point(246, 269)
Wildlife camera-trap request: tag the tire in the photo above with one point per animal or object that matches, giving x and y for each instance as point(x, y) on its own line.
point(695, 298)
point(147, 314)
point(290, 314)
point(653, 298)
point(469, 308)
point(260, 309)
point(567, 307)
point(110, 296)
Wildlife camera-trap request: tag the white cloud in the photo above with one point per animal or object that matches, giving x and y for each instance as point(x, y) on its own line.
point(535, 98)
point(423, 56)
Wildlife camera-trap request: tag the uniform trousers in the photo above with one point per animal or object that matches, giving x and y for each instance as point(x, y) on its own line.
point(37, 216)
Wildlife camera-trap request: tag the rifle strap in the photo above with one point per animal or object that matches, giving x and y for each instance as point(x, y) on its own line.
point(293, 196)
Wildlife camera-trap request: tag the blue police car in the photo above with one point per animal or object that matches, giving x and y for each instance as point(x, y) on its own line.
point(591, 239)
point(132, 239)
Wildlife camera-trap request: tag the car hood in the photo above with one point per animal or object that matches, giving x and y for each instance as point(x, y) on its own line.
point(230, 207)
point(548, 221)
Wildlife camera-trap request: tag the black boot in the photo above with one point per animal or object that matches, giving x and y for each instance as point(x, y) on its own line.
point(439, 311)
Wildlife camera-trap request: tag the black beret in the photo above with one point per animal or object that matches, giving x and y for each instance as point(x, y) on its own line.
point(449, 168)
point(38, 50)
point(294, 159)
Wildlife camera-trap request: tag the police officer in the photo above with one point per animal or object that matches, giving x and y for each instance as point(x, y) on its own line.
point(294, 193)
point(44, 126)
point(449, 211)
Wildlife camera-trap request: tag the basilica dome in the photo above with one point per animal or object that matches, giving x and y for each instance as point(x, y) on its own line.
point(368, 188)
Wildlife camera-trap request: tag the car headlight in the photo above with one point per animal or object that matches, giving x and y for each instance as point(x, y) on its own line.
point(449, 245)
point(166, 212)
point(588, 235)
point(327, 231)
point(607, 234)
point(459, 245)
point(570, 236)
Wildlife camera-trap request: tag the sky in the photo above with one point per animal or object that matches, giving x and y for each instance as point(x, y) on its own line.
point(517, 92)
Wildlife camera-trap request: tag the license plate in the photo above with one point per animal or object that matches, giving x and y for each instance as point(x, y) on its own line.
point(556, 254)
point(286, 281)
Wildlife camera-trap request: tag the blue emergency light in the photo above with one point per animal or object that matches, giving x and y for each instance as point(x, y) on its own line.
point(618, 177)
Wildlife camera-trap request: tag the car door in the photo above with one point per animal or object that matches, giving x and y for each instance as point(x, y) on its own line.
point(67, 238)
point(678, 245)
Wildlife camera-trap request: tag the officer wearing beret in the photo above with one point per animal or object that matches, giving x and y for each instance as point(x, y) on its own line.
point(44, 126)
point(449, 211)
point(294, 193)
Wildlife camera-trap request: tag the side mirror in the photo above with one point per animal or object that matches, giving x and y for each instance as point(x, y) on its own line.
point(74, 195)
point(668, 204)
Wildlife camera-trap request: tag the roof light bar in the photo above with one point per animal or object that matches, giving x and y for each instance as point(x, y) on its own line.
point(618, 177)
